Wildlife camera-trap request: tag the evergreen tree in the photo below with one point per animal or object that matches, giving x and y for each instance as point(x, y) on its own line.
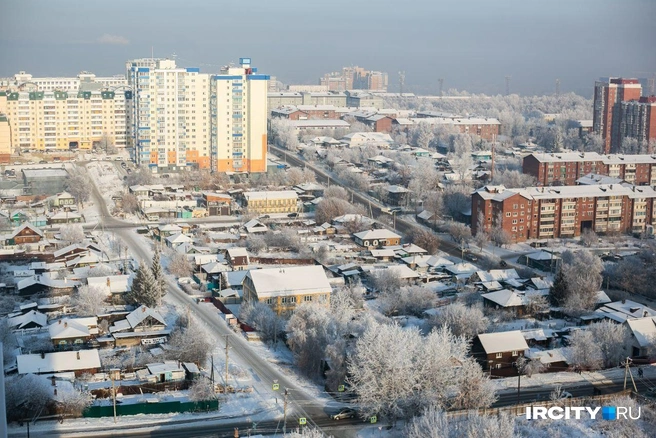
point(144, 288)
point(158, 274)
point(559, 290)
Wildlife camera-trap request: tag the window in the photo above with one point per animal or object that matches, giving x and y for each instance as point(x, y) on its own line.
point(498, 365)
point(499, 355)
point(270, 301)
point(508, 214)
point(515, 353)
point(307, 298)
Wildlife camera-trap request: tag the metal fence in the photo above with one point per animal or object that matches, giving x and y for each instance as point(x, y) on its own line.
point(151, 408)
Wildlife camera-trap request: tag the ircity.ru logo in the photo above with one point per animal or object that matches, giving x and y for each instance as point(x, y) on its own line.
point(575, 412)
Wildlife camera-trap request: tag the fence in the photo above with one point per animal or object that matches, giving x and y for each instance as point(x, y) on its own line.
point(517, 410)
point(151, 408)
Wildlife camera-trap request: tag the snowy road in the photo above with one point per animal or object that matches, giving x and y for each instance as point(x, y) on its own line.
point(301, 402)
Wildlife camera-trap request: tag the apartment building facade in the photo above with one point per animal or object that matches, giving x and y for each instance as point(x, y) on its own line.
point(554, 169)
point(62, 120)
point(607, 109)
point(239, 119)
point(282, 201)
point(69, 84)
point(355, 78)
point(555, 212)
point(639, 121)
point(169, 115)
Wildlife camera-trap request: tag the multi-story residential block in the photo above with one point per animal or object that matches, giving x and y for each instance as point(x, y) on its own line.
point(285, 288)
point(607, 112)
point(486, 128)
point(355, 78)
point(5, 138)
point(566, 211)
point(61, 120)
point(169, 114)
point(284, 201)
point(69, 84)
point(306, 112)
point(284, 98)
point(639, 121)
point(553, 169)
point(239, 119)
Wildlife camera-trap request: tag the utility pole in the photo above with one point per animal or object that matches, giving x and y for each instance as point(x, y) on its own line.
point(284, 412)
point(212, 373)
point(225, 390)
point(627, 372)
point(441, 81)
point(508, 77)
point(3, 406)
point(557, 87)
point(112, 374)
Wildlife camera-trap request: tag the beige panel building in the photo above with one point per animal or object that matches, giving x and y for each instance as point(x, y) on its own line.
point(239, 119)
point(283, 201)
point(169, 114)
point(60, 120)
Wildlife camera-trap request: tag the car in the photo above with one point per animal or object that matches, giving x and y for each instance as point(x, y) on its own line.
point(166, 175)
point(129, 171)
point(118, 159)
point(43, 162)
point(565, 394)
point(471, 257)
point(124, 164)
point(292, 215)
point(344, 414)
point(266, 216)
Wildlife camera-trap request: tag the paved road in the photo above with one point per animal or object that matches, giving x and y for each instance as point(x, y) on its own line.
point(301, 404)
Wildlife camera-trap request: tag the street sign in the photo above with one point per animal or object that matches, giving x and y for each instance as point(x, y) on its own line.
point(276, 386)
point(340, 388)
point(373, 419)
point(302, 421)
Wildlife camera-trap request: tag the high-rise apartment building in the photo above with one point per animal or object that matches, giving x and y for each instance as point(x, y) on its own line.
point(607, 111)
point(169, 114)
point(62, 120)
point(239, 119)
point(639, 120)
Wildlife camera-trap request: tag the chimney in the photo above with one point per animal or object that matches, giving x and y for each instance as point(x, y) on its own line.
point(109, 282)
point(65, 324)
point(78, 355)
point(60, 321)
point(623, 301)
point(43, 355)
point(143, 309)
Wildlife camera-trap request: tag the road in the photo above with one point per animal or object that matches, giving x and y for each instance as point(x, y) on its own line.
point(301, 404)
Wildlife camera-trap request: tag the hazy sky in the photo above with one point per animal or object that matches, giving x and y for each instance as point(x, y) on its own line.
point(472, 44)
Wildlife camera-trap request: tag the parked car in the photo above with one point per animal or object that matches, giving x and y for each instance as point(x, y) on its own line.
point(344, 414)
point(471, 257)
point(118, 159)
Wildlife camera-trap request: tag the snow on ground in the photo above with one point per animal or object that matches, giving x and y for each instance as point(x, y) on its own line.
point(106, 179)
point(569, 378)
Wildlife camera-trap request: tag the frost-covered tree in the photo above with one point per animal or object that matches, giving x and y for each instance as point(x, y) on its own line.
point(140, 176)
point(385, 280)
point(79, 185)
point(158, 274)
point(425, 239)
point(408, 300)
point(577, 287)
point(201, 390)
point(189, 343)
point(514, 179)
point(583, 351)
point(284, 134)
point(179, 265)
point(461, 320)
point(144, 288)
point(433, 423)
point(613, 341)
point(396, 371)
point(71, 401)
point(309, 331)
point(89, 301)
point(260, 316)
point(71, 233)
point(26, 395)
point(129, 203)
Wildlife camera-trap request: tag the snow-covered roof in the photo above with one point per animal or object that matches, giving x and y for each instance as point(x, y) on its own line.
point(237, 252)
point(382, 252)
point(69, 248)
point(68, 328)
point(24, 226)
point(497, 275)
point(505, 298)
point(540, 334)
point(403, 272)
point(110, 283)
point(500, 342)
point(167, 366)
point(425, 215)
point(644, 330)
point(138, 315)
point(58, 361)
point(547, 356)
point(179, 238)
point(22, 320)
point(461, 268)
point(628, 309)
point(540, 283)
point(46, 281)
point(376, 234)
point(279, 194)
point(289, 281)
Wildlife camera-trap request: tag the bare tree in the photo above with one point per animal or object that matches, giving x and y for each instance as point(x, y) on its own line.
point(189, 344)
point(73, 402)
point(79, 185)
point(409, 300)
point(140, 176)
point(130, 203)
point(582, 277)
point(26, 395)
point(433, 423)
point(309, 331)
point(583, 351)
point(424, 239)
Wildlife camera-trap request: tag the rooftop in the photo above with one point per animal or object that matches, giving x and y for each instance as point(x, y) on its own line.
point(503, 341)
point(289, 281)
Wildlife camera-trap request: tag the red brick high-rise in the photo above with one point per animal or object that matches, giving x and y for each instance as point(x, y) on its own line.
point(607, 117)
